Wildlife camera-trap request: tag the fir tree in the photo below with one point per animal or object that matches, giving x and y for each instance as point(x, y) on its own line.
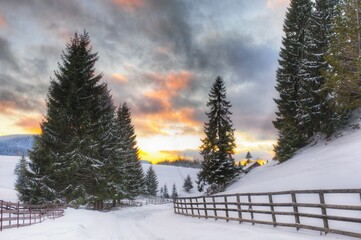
point(344, 58)
point(22, 183)
point(165, 191)
point(188, 184)
point(314, 113)
point(291, 136)
point(66, 160)
point(134, 176)
point(248, 157)
point(151, 182)
point(174, 191)
point(218, 167)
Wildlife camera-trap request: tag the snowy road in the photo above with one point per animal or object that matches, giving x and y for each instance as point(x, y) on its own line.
point(149, 223)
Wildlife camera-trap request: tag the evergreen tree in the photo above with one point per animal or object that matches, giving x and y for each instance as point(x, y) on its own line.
point(174, 191)
point(188, 184)
point(22, 183)
point(248, 157)
point(314, 113)
point(66, 160)
point(291, 136)
point(165, 191)
point(151, 182)
point(218, 167)
point(134, 176)
point(344, 57)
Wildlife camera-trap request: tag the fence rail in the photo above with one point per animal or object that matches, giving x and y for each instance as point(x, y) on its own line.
point(18, 215)
point(335, 211)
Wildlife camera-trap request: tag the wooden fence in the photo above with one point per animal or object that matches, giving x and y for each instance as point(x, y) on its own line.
point(327, 211)
point(19, 215)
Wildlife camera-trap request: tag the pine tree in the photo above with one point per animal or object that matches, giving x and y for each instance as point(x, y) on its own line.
point(218, 167)
point(65, 161)
point(165, 191)
point(22, 183)
point(151, 182)
point(291, 136)
point(188, 184)
point(344, 57)
point(174, 191)
point(314, 113)
point(134, 176)
point(248, 157)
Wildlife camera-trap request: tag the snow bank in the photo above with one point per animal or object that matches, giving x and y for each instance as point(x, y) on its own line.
point(325, 165)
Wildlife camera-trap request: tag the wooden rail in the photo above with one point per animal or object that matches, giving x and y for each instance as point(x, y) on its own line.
point(18, 215)
point(336, 211)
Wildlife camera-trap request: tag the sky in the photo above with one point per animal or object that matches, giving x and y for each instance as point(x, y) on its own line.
point(159, 56)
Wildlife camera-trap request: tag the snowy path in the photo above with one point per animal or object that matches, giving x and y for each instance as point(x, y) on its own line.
point(149, 223)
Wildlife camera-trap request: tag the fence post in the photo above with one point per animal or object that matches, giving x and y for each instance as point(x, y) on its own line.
point(250, 207)
point(185, 205)
point(239, 209)
point(174, 203)
point(199, 214)
point(226, 205)
point(1, 215)
point(215, 209)
point(17, 219)
point(272, 210)
point(191, 207)
point(205, 207)
point(9, 213)
point(30, 212)
point(295, 209)
point(323, 210)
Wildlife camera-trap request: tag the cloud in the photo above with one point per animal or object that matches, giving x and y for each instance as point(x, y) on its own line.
point(7, 58)
point(129, 4)
point(273, 4)
point(30, 124)
point(3, 23)
point(119, 78)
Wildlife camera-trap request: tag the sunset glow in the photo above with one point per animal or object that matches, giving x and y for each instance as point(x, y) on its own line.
point(160, 57)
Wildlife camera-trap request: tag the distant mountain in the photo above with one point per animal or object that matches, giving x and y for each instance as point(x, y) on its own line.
point(15, 145)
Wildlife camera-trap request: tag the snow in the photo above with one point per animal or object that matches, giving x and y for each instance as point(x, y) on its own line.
point(322, 165)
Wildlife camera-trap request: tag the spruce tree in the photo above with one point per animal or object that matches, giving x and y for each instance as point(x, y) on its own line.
point(314, 113)
point(291, 135)
point(188, 184)
point(22, 183)
point(151, 182)
point(165, 191)
point(344, 58)
point(218, 167)
point(174, 191)
point(134, 176)
point(65, 161)
point(248, 157)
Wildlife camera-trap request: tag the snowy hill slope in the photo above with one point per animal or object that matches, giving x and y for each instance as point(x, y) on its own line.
point(323, 165)
point(14, 145)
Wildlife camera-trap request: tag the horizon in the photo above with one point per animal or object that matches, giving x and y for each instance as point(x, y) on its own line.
point(160, 57)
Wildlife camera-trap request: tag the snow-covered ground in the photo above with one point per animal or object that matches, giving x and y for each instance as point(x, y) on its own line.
point(327, 164)
point(151, 222)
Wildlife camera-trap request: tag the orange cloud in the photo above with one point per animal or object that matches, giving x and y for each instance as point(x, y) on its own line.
point(30, 124)
point(3, 23)
point(6, 107)
point(162, 117)
point(129, 4)
point(119, 77)
point(273, 4)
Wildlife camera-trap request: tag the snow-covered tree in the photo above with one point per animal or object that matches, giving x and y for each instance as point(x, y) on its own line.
point(218, 167)
point(290, 136)
point(151, 182)
point(165, 191)
point(187, 184)
point(174, 191)
point(22, 183)
point(134, 176)
point(248, 157)
point(66, 159)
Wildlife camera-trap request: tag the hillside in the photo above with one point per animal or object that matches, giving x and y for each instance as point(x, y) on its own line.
point(323, 164)
point(15, 145)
